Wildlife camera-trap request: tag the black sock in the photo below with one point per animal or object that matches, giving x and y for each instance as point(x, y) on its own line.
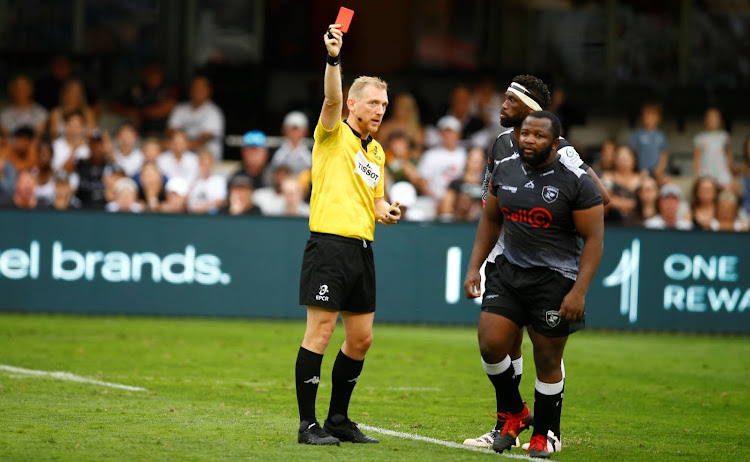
point(547, 401)
point(555, 427)
point(344, 377)
point(307, 378)
point(506, 390)
point(517, 366)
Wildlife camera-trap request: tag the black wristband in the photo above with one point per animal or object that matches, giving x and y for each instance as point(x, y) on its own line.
point(333, 60)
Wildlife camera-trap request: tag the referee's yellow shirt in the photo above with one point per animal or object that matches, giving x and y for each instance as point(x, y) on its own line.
point(346, 179)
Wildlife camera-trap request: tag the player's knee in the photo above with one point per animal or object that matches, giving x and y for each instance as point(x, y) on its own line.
point(361, 343)
point(320, 335)
point(490, 351)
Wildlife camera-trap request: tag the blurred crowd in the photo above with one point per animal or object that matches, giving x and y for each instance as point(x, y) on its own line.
point(60, 150)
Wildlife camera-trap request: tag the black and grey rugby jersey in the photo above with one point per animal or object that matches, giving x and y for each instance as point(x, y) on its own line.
point(537, 207)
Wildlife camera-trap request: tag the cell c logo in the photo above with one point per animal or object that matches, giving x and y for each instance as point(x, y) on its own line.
point(540, 217)
point(626, 276)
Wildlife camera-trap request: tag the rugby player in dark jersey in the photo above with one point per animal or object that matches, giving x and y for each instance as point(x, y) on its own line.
point(525, 94)
point(544, 207)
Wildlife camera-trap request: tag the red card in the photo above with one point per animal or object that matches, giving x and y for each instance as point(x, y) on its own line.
point(344, 18)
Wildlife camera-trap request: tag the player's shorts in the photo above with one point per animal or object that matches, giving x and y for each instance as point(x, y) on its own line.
point(338, 273)
point(528, 296)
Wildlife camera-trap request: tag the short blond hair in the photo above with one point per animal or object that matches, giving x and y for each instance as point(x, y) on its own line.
point(355, 91)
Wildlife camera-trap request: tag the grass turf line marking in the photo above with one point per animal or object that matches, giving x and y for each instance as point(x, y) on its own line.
point(68, 376)
point(449, 444)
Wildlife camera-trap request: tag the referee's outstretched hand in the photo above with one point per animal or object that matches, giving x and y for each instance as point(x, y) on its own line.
point(333, 45)
point(472, 284)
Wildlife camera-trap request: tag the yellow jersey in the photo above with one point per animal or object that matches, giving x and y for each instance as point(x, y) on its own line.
point(346, 179)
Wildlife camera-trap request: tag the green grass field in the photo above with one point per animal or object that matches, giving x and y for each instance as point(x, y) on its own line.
point(224, 390)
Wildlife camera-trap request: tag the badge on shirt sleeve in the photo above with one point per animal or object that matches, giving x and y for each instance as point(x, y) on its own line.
point(550, 194)
point(569, 157)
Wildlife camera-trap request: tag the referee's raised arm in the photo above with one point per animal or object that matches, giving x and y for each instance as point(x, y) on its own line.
point(332, 104)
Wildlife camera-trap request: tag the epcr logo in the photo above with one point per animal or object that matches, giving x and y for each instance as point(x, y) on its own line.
point(626, 276)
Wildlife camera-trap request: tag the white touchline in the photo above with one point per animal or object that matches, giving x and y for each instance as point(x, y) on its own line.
point(449, 444)
point(68, 376)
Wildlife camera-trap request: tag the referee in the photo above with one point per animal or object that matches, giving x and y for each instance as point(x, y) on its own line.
point(543, 207)
point(338, 269)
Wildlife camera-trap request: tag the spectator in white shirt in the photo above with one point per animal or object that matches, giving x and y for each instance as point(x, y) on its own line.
point(72, 146)
point(200, 119)
point(293, 152)
point(441, 165)
point(126, 153)
point(670, 199)
point(23, 111)
point(178, 161)
point(209, 192)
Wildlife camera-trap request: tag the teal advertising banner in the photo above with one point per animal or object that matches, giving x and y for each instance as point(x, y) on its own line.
point(91, 262)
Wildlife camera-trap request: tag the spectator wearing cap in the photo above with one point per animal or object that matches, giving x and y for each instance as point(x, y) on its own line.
point(440, 165)
point(64, 197)
point(255, 159)
point(209, 192)
point(200, 118)
point(126, 197)
point(179, 162)
point(23, 110)
point(240, 198)
point(670, 201)
point(293, 152)
point(405, 194)
point(177, 190)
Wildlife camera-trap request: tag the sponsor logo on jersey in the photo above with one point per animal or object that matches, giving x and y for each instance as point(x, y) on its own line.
point(550, 194)
point(369, 171)
point(553, 318)
point(322, 293)
point(512, 189)
point(537, 217)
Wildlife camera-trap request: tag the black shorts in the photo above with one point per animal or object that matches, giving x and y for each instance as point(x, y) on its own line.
point(338, 273)
point(528, 296)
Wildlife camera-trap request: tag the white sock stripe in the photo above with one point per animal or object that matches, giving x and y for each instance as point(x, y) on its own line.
point(496, 369)
point(518, 365)
point(549, 388)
